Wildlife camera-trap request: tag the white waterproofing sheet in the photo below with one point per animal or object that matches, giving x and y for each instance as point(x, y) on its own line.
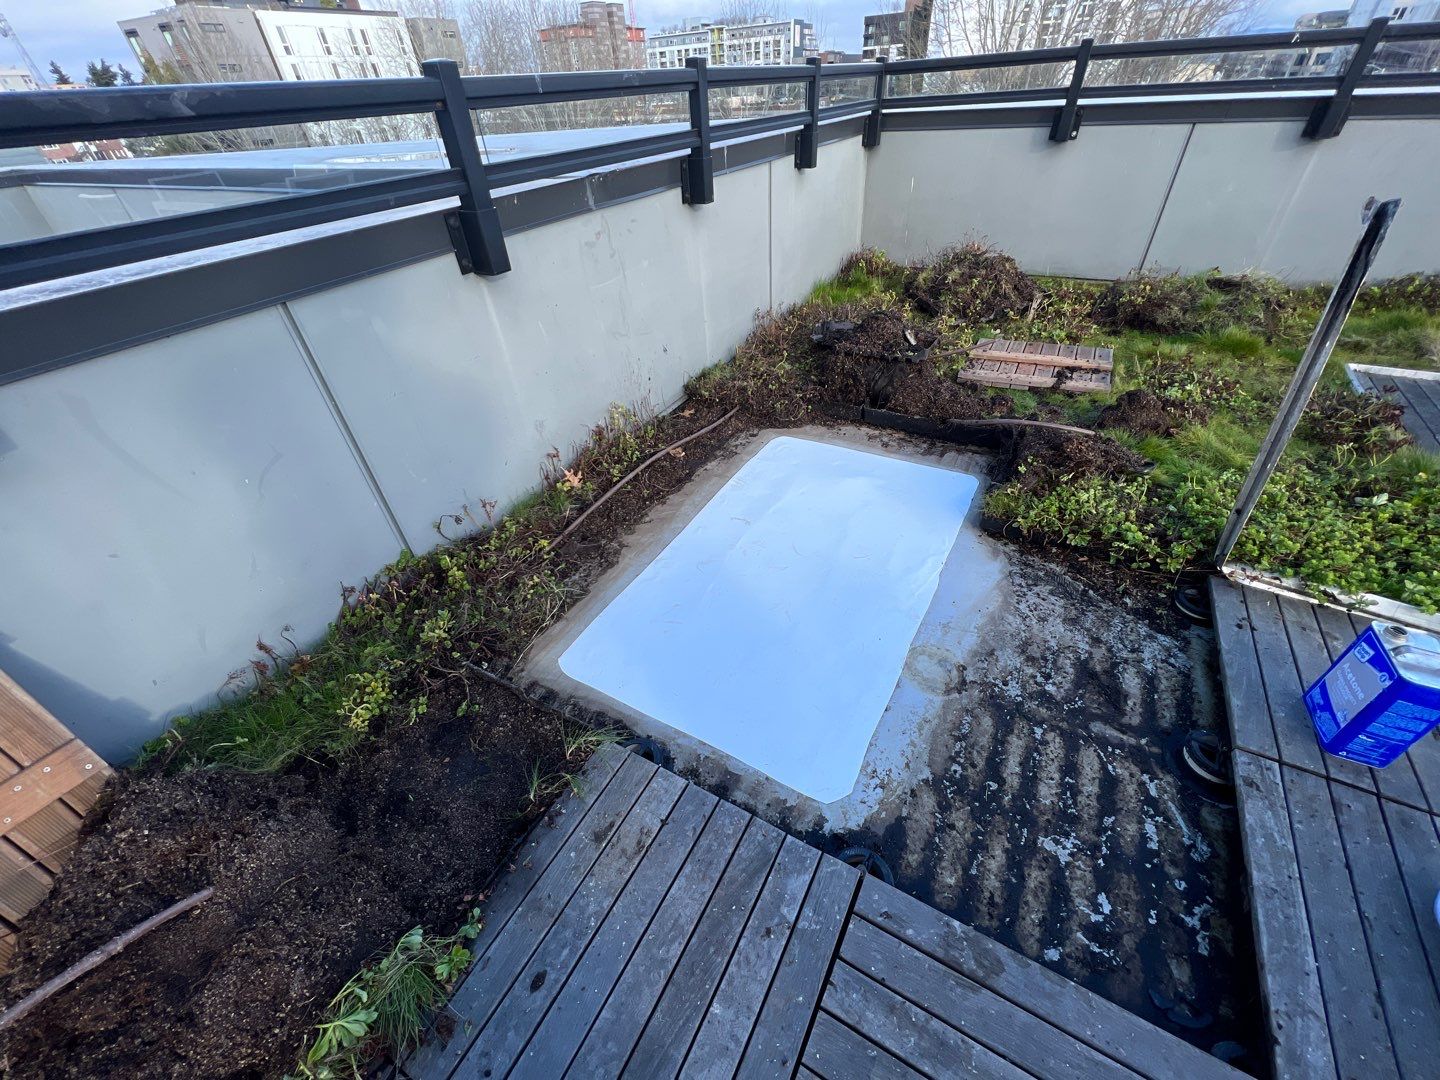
point(775, 625)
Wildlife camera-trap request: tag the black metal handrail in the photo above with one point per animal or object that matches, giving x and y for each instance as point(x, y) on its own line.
point(50, 117)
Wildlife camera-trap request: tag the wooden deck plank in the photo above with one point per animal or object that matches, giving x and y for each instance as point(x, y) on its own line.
point(543, 844)
point(1415, 837)
point(1347, 978)
point(1054, 355)
point(504, 1035)
point(1289, 975)
point(837, 1052)
point(1397, 953)
point(678, 1014)
point(1294, 734)
point(531, 910)
point(778, 1038)
point(1422, 408)
point(698, 867)
point(1088, 1017)
point(718, 1045)
point(920, 1040)
point(619, 1025)
point(1312, 660)
point(1006, 1028)
point(1250, 726)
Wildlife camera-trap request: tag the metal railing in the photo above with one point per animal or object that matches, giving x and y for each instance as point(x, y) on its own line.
point(46, 118)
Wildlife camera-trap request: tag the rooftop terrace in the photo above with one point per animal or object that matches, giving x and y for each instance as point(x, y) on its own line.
point(588, 441)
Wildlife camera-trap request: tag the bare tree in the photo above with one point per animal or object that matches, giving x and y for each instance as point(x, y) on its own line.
point(965, 27)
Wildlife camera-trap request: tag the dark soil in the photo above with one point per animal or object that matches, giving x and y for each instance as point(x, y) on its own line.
point(865, 362)
point(1048, 455)
point(1139, 412)
point(313, 874)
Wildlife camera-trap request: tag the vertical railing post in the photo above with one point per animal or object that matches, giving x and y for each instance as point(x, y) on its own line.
point(475, 227)
point(807, 142)
point(1067, 120)
point(697, 172)
point(871, 138)
point(1329, 116)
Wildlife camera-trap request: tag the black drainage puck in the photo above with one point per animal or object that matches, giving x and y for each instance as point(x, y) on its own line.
point(648, 749)
point(871, 862)
point(1203, 764)
point(1192, 599)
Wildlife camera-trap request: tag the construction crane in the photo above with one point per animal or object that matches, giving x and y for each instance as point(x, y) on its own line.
point(8, 31)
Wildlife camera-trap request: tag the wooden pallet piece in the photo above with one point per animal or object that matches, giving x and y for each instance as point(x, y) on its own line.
point(1048, 353)
point(1034, 376)
point(48, 779)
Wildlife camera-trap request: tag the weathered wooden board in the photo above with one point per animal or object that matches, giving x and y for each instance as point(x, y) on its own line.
point(621, 1022)
point(716, 1052)
point(504, 1034)
point(48, 779)
point(777, 1043)
point(591, 985)
point(1034, 376)
point(1289, 976)
point(1048, 353)
point(915, 1035)
point(837, 1052)
point(1087, 1017)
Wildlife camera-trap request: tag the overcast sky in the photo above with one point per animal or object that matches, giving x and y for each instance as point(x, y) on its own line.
point(79, 30)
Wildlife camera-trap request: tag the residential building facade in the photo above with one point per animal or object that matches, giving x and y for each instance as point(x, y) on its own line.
point(898, 35)
point(764, 41)
point(436, 39)
point(266, 40)
point(601, 39)
point(14, 78)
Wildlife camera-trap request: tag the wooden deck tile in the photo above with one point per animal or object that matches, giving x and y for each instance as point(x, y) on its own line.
point(1342, 861)
point(651, 930)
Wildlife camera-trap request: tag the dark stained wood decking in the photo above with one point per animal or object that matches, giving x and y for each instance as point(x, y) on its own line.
point(1343, 861)
point(649, 929)
point(1417, 391)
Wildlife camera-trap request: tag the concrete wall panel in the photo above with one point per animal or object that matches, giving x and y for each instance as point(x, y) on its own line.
point(1258, 196)
point(815, 218)
point(163, 508)
point(457, 386)
point(1084, 208)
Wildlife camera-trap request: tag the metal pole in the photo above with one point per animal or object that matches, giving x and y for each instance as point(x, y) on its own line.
point(475, 227)
point(697, 174)
point(1329, 117)
point(807, 142)
point(1067, 120)
point(871, 138)
point(1312, 365)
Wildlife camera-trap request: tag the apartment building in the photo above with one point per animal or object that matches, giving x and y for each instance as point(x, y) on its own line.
point(764, 41)
point(601, 39)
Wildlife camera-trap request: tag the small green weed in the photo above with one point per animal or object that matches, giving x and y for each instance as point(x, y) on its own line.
point(385, 1007)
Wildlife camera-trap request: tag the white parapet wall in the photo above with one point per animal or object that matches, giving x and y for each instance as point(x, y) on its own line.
point(168, 504)
point(1181, 196)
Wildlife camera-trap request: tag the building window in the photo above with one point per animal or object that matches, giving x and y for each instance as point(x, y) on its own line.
point(299, 75)
point(365, 40)
point(285, 45)
point(449, 33)
point(325, 42)
point(213, 27)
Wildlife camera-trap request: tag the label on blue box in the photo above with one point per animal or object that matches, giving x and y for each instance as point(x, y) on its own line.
point(1365, 709)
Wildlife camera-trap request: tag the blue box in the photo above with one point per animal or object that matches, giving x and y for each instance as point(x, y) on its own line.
point(1380, 697)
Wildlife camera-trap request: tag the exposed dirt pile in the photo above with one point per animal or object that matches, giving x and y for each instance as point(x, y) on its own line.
point(1152, 304)
point(1040, 458)
point(1340, 418)
point(312, 875)
point(862, 363)
point(975, 285)
point(1139, 412)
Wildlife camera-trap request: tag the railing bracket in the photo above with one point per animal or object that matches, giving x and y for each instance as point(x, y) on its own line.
point(1066, 126)
point(475, 231)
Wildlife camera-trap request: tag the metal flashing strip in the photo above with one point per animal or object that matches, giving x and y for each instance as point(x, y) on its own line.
point(79, 319)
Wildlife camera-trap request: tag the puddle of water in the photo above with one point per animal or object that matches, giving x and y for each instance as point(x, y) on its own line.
point(775, 625)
